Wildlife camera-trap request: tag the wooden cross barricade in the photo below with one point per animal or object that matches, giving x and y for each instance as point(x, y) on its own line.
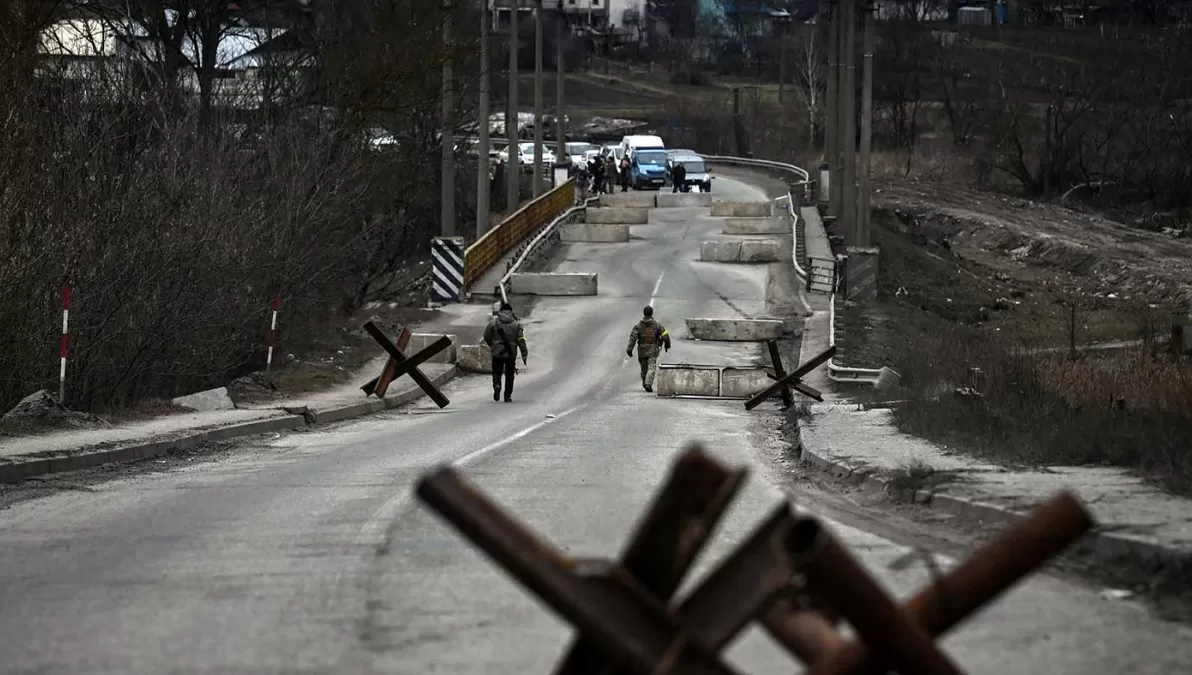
point(399, 364)
point(787, 381)
point(791, 575)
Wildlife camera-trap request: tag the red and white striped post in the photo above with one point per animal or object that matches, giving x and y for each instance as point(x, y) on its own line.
point(272, 332)
point(65, 341)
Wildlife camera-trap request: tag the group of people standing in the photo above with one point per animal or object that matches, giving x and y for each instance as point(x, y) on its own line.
point(605, 173)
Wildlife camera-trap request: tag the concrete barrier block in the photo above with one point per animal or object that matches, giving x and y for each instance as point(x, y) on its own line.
point(420, 341)
point(681, 380)
point(556, 283)
point(634, 199)
point(683, 199)
point(743, 382)
point(474, 359)
point(734, 330)
point(720, 251)
point(757, 251)
point(743, 209)
point(212, 399)
point(771, 225)
point(596, 234)
point(617, 215)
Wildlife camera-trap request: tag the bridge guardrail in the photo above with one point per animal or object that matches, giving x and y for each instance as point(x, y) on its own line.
point(488, 250)
point(836, 372)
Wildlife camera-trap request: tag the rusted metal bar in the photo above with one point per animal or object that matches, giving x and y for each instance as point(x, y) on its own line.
point(993, 569)
point(380, 385)
point(780, 373)
point(630, 626)
point(815, 362)
point(675, 529)
point(427, 386)
point(801, 387)
point(895, 639)
point(742, 584)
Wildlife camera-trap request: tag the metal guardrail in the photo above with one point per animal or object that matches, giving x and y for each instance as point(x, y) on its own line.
point(836, 372)
point(488, 250)
point(529, 248)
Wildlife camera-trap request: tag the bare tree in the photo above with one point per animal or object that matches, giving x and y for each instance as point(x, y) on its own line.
point(810, 71)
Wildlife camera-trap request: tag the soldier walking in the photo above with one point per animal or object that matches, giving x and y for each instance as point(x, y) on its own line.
point(648, 335)
point(502, 333)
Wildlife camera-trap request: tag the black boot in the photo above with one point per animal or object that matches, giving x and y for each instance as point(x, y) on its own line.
point(496, 394)
point(509, 397)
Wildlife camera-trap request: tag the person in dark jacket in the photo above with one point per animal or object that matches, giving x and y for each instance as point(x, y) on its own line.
point(679, 177)
point(596, 166)
point(648, 335)
point(504, 337)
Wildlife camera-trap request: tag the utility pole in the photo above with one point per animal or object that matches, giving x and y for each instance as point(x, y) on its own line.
point(536, 181)
point(784, 37)
point(832, 111)
point(560, 108)
point(849, 184)
point(512, 161)
point(863, 238)
point(482, 114)
point(446, 137)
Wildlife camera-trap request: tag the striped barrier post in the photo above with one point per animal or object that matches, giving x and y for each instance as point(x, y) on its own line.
point(63, 344)
point(860, 277)
point(447, 282)
point(272, 338)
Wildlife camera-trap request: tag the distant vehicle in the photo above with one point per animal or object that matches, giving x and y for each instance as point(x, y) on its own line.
point(577, 151)
point(631, 144)
point(647, 168)
point(698, 173)
point(525, 156)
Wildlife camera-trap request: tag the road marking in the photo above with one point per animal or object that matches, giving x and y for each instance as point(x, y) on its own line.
point(657, 284)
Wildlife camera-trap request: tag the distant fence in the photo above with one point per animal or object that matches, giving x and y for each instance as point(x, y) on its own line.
point(488, 250)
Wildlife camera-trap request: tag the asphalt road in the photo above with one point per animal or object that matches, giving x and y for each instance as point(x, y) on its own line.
point(307, 553)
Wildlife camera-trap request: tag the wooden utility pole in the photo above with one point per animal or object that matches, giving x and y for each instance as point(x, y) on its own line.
point(848, 214)
point(482, 114)
point(536, 181)
point(446, 137)
point(512, 163)
point(560, 108)
point(866, 186)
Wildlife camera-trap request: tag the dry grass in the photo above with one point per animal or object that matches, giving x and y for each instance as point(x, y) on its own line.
point(1136, 380)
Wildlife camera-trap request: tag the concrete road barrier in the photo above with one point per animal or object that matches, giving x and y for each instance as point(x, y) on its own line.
point(595, 233)
point(683, 380)
point(474, 359)
point(212, 399)
point(720, 250)
point(743, 209)
point(681, 199)
point(759, 250)
point(420, 341)
point(771, 225)
point(743, 382)
point(619, 215)
point(732, 251)
point(557, 283)
point(734, 330)
point(634, 199)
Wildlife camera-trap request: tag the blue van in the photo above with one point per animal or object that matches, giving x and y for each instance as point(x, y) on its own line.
point(647, 169)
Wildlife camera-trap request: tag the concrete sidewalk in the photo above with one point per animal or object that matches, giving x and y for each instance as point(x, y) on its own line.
point(466, 322)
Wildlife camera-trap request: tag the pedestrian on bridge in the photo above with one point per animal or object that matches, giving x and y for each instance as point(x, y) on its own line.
point(502, 333)
point(648, 335)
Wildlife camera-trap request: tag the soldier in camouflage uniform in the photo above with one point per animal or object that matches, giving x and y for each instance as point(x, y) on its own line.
point(648, 335)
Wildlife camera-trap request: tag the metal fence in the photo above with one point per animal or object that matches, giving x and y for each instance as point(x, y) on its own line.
point(511, 232)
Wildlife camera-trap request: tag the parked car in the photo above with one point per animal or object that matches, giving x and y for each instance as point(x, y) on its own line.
point(647, 169)
point(525, 156)
point(577, 151)
point(698, 173)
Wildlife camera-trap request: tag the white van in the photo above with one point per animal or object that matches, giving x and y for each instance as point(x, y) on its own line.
point(631, 143)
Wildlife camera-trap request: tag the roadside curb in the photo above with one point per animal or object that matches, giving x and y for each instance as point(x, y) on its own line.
point(1099, 543)
point(18, 471)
